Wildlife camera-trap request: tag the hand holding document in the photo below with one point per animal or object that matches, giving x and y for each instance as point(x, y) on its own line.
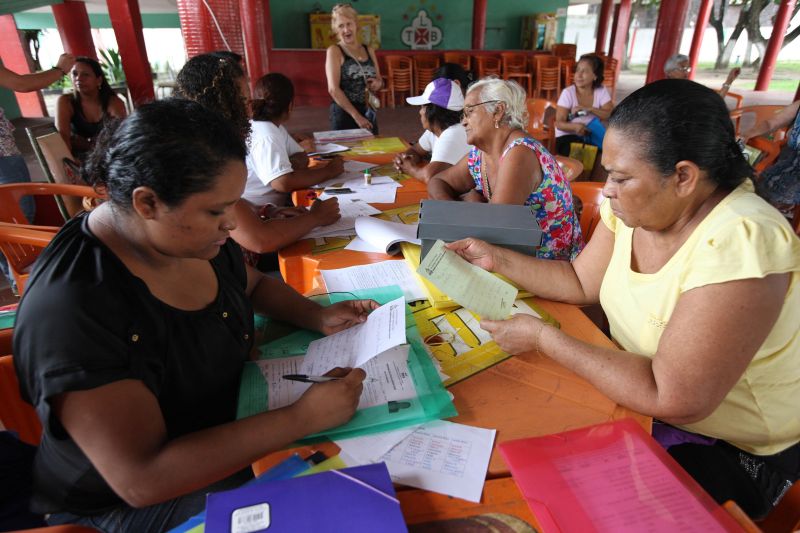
point(385, 328)
point(350, 210)
point(383, 236)
point(472, 287)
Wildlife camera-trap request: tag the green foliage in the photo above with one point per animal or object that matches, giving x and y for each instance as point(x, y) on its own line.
point(111, 62)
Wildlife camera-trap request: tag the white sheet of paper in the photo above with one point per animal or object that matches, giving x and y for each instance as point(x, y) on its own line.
point(383, 236)
point(370, 448)
point(341, 135)
point(375, 275)
point(440, 456)
point(472, 287)
point(328, 148)
point(350, 211)
point(357, 166)
point(385, 328)
point(388, 379)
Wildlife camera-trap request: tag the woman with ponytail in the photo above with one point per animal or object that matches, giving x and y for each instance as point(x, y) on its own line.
point(700, 281)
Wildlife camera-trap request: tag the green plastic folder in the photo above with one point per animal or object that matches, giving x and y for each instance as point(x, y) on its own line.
point(432, 402)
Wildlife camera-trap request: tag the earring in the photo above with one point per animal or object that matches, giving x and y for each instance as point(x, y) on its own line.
point(496, 124)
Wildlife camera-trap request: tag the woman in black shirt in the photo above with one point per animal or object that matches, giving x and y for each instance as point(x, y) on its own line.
point(136, 322)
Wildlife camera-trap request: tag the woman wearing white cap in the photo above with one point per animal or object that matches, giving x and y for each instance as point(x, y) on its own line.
point(508, 166)
point(444, 141)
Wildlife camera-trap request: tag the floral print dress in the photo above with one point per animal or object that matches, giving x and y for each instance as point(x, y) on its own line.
point(551, 202)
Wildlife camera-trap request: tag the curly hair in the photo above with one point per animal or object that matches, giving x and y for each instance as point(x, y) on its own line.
point(272, 96)
point(213, 81)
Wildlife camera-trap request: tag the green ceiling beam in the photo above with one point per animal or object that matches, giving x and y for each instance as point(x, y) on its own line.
point(16, 6)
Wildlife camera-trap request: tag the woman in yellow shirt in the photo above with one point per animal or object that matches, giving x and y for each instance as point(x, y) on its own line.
point(700, 280)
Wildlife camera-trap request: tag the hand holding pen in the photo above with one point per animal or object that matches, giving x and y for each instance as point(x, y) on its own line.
point(330, 404)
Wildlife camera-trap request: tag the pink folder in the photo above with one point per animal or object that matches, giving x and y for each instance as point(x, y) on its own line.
point(610, 477)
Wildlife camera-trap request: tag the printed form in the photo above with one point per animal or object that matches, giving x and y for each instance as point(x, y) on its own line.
point(385, 328)
point(440, 456)
point(472, 287)
point(388, 379)
point(375, 275)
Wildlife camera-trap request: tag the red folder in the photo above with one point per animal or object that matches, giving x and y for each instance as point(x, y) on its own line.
point(610, 477)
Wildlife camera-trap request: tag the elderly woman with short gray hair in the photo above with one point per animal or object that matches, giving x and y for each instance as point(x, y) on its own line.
point(508, 166)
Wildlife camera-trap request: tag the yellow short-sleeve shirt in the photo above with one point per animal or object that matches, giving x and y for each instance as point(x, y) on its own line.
point(742, 237)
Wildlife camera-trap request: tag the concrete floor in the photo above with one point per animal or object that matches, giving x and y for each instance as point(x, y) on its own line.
point(402, 121)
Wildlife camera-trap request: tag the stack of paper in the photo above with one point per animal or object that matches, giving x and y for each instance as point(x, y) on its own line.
point(328, 148)
point(341, 135)
point(382, 236)
point(345, 226)
point(439, 456)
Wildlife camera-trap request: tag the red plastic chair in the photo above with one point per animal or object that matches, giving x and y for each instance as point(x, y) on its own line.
point(541, 121)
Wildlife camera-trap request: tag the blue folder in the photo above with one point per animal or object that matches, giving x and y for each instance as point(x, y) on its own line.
point(596, 132)
point(358, 499)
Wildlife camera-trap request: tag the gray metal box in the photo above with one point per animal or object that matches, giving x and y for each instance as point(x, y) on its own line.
point(510, 226)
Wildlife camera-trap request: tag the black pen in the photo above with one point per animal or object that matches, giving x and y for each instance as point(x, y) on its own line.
point(315, 379)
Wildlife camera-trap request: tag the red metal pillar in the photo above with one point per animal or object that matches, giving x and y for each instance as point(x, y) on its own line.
point(73, 25)
point(202, 35)
point(127, 23)
point(797, 94)
point(602, 26)
point(667, 39)
point(775, 43)
point(12, 53)
point(478, 24)
point(252, 15)
point(619, 31)
point(699, 29)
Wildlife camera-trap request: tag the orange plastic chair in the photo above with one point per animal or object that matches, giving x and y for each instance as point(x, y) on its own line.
point(746, 117)
point(460, 58)
point(10, 195)
point(591, 196)
point(400, 77)
point(515, 66)
point(22, 245)
point(572, 168)
point(547, 76)
point(424, 70)
point(16, 414)
point(770, 152)
point(541, 121)
point(785, 517)
point(565, 50)
point(488, 66)
point(738, 100)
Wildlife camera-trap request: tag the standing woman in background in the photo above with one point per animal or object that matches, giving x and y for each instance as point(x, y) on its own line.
point(351, 69)
point(80, 115)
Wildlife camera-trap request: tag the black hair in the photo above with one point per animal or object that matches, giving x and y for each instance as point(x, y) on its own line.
point(680, 120)
point(272, 96)
point(597, 68)
point(441, 116)
point(174, 146)
point(227, 54)
point(106, 92)
point(213, 80)
point(455, 72)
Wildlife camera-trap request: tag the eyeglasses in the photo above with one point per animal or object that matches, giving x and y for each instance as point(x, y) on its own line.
point(468, 108)
point(684, 69)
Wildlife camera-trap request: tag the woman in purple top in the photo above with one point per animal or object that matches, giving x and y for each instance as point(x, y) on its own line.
point(581, 102)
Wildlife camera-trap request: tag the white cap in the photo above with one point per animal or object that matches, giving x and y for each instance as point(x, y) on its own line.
point(442, 92)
